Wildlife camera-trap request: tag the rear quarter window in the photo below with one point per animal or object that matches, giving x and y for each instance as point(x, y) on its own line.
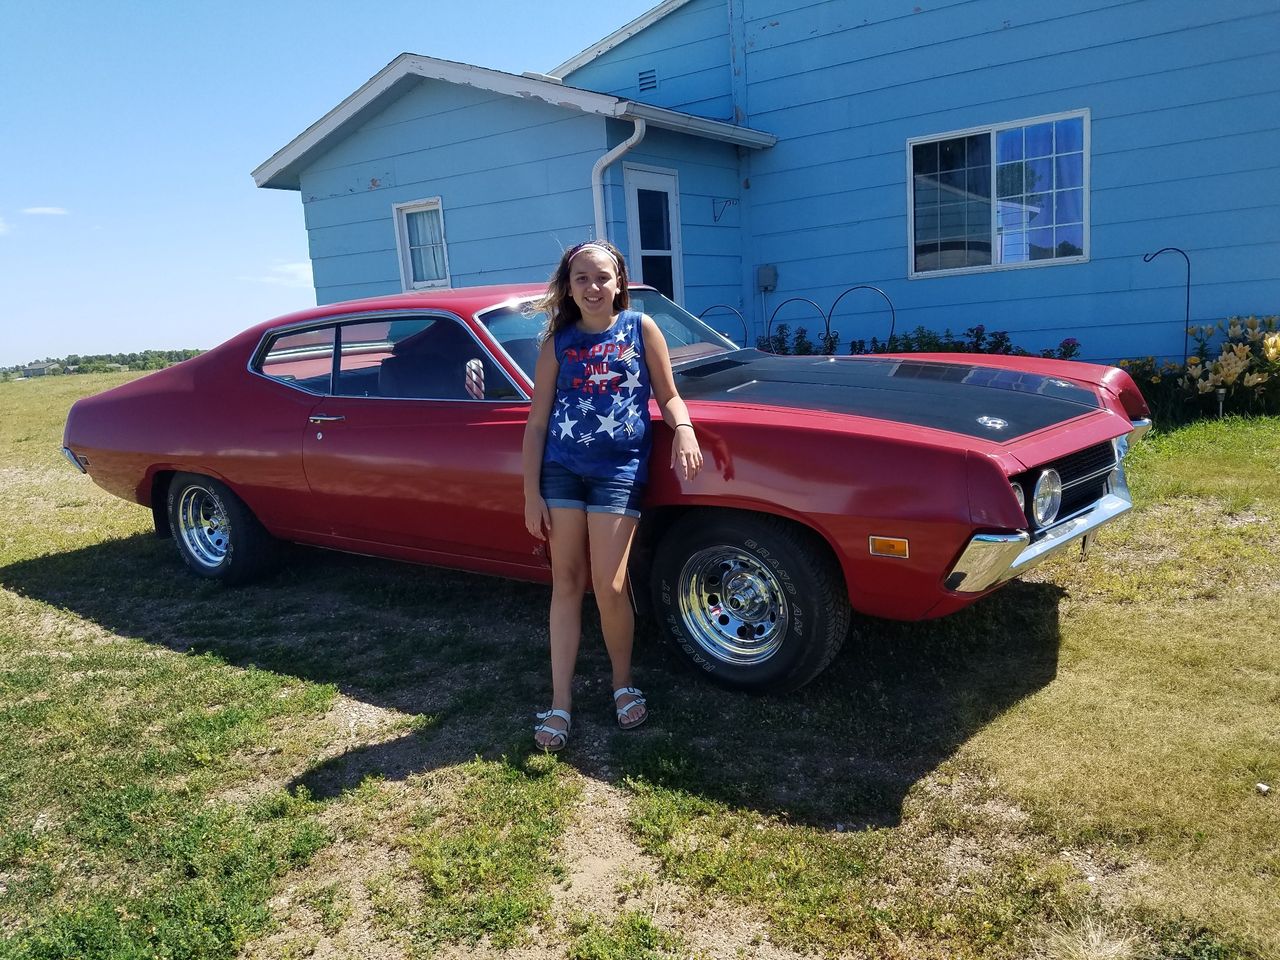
point(303, 359)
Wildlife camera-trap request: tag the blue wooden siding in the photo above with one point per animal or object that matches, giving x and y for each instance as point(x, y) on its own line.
point(513, 175)
point(689, 52)
point(1184, 99)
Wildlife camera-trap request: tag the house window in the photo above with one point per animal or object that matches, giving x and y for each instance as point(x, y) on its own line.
point(424, 259)
point(1003, 196)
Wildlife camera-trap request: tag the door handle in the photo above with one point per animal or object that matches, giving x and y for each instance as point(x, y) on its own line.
point(322, 418)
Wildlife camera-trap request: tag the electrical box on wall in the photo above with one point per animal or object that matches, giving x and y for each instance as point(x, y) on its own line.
point(767, 277)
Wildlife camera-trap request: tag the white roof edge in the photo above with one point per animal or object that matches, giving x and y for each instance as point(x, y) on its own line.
point(697, 126)
point(601, 47)
point(509, 84)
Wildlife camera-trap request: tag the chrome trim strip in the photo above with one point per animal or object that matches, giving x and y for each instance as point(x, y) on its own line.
point(346, 318)
point(73, 459)
point(990, 558)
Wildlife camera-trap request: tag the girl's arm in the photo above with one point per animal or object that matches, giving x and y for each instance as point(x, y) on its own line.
point(685, 451)
point(537, 518)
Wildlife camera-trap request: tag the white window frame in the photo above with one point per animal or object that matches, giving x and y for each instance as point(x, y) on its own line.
point(636, 176)
point(400, 212)
point(992, 129)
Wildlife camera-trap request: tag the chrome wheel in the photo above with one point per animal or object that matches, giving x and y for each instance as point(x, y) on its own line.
point(202, 526)
point(734, 607)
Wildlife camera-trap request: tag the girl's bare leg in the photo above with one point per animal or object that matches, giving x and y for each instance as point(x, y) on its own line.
point(611, 535)
point(569, 572)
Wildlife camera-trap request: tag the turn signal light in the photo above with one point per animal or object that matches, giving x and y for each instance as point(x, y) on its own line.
point(889, 547)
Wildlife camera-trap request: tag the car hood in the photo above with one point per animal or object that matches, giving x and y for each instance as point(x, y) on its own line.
point(964, 398)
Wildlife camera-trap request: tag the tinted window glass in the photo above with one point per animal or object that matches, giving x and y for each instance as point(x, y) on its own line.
point(302, 359)
point(417, 358)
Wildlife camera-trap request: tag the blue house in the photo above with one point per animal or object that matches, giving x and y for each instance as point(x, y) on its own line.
point(979, 161)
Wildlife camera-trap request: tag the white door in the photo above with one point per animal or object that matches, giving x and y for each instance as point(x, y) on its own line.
point(653, 228)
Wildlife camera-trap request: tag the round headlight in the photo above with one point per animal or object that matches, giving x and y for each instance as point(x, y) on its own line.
point(1019, 496)
point(1048, 498)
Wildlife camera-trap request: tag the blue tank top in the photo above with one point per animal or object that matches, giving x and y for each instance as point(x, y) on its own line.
point(600, 421)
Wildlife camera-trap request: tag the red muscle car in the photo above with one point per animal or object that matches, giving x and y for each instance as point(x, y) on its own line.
point(904, 487)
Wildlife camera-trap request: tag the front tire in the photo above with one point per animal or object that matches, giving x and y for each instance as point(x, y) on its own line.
point(218, 537)
point(754, 601)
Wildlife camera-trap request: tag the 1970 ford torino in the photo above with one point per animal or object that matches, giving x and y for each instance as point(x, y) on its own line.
point(904, 487)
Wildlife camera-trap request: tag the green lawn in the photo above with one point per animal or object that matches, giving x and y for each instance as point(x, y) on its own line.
point(336, 760)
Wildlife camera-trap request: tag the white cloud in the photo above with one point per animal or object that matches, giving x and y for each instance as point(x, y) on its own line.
point(286, 275)
point(47, 211)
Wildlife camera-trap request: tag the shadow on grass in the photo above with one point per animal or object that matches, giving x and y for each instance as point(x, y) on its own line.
point(468, 654)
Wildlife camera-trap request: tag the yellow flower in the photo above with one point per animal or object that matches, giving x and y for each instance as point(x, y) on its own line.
point(1234, 330)
point(1155, 378)
point(1271, 346)
point(1253, 379)
point(1204, 386)
point(1193, 361)
point(1252, 323)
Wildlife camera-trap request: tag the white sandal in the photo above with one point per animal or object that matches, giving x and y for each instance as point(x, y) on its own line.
point(639, 701)
point(559, 737)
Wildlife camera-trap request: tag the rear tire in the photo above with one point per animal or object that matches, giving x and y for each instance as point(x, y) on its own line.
point(217, 536)
point(754, 601)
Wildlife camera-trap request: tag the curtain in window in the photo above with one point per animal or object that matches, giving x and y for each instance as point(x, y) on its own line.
point(426, 244)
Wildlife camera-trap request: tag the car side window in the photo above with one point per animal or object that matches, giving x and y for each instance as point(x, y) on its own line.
point(416, 358)
point(303, 359)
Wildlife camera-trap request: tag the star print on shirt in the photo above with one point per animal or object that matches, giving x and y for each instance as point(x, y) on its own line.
point(607, 423)
point(632, 382)
point(566, 426)
point(620, 336)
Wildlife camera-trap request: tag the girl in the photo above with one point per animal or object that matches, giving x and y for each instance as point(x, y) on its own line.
point(586, 452)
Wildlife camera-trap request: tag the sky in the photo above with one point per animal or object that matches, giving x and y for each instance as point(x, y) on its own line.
point(128, 129)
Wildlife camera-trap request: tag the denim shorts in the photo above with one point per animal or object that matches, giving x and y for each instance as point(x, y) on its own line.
point(563, 488)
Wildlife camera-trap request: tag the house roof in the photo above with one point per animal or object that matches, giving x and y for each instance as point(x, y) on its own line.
point(602, 47)
point(281, 171)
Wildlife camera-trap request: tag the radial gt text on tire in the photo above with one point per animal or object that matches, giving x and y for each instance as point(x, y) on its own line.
point(756, 602)
point(218, 537)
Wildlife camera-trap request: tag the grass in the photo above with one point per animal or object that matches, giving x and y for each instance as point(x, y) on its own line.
point(337, 758)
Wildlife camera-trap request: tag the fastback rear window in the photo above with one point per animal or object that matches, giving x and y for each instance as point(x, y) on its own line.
point(303, 359)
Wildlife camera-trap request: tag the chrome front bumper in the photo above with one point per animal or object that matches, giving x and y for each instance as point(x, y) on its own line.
point(992, 558)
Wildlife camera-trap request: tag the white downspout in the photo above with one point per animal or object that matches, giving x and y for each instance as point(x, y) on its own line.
point(597, 173)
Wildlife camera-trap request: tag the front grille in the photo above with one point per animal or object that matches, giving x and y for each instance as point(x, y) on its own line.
point(1082, 463)
point(1084, 478)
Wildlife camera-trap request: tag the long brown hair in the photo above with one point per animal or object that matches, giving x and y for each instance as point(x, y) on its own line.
point(559, 305)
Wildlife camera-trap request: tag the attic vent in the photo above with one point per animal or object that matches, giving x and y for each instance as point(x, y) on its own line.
point(648, 80)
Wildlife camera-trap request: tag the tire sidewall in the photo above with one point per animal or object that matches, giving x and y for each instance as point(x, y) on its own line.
point(762, 542)
point(226, 503)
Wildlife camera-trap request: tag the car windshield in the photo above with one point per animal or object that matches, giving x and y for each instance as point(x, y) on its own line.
point(517, 325)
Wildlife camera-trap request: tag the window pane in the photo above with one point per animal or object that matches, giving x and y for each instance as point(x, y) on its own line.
point(1039, 140)
point(655, 227)
point(951, 206)
point(1070, 206)
point(1070, 241)
point(425, 230)
point(1069, 171)
point(1009, 145)
point(1069, 135)
point(1009, 177)
point(657, 273)
point(302, 359)
point(1039, 174)
point(1039, 208)
point(1013, 248)
point(1040, 244)
point(924, 158)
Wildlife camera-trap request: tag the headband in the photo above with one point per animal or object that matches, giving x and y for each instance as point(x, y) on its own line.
point(590, 245)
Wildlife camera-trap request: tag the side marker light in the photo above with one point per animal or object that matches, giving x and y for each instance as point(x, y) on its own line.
point(889, 547)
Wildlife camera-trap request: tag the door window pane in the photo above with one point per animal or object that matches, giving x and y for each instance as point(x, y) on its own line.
point(655, 223)
point(657, 273)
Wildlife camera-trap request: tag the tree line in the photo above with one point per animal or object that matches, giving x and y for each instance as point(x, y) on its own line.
point(102, 362)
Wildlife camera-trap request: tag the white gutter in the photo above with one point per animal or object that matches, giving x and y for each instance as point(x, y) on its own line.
point(597, 173)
